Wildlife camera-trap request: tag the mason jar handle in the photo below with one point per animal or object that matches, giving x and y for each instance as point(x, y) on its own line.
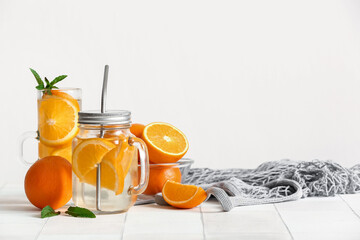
point(144, 165)
point(23, 137)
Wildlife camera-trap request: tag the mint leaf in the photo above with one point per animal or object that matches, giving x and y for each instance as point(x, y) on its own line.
point(57, 79)
point(47, 87)
point(80, 212)
point(48, 212)
point(38, 79)
point(47, 83)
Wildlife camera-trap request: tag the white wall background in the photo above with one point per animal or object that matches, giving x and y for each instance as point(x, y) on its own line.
point(247, 81)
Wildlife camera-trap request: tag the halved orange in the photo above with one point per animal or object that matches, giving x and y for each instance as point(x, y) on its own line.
point(88, 154)
point(183, 196)
point(166, 143)
point(57, 120)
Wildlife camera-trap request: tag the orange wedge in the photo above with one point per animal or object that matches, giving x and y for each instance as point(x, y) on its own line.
point(183, 196)
point(166, 143)
point(57, 120)
point(88, 154)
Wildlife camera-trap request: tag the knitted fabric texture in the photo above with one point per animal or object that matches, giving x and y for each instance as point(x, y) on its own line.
point(276, 181)
point(316, 178)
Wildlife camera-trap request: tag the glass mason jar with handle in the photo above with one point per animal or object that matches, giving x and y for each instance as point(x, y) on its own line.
point(105, 162)
point(57, 124)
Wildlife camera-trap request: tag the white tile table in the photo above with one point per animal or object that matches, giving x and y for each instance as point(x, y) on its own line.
point(312, 218)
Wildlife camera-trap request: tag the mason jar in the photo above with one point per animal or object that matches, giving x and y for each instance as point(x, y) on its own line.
point(105, 162)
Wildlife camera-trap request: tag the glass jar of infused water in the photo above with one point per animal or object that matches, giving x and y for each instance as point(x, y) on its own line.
point(105, 162)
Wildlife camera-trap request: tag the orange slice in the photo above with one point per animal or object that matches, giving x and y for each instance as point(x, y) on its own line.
point(112, 175)
point(166, 143)
point(88, 154)
point(64, 152)
point(44, 150)
point(183, 196)
point(61, 94)
point(57, 120)
point(114, 167)
point(123, 155)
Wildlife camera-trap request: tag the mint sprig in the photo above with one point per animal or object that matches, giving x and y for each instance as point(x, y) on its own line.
point(48, 212)
point(49, 85)
point(80, 212)
point(72, 211)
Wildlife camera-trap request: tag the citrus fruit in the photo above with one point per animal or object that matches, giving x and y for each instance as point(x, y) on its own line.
point(64, 152)
point(137, 129)
point(44, 150)
point(61, 94)
point(112, 176)
point(88, 153)
point(159, 175)
point(183, 196)
point(57, 120)
point(48, 182)
point(114, 167)
point(166, 143)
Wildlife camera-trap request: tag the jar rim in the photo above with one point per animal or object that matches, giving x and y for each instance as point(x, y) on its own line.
point(110, 117)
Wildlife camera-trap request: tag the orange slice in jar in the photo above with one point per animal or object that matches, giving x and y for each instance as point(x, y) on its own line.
point(88, 154)
point(115, 166)
point(112, 176)
point(61, 94)
point(58, 118)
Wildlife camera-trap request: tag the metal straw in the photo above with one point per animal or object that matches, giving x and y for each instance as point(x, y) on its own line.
point(104, 89)
point(103, 110)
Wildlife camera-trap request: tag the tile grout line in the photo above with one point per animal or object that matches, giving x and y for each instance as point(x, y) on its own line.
point(347, 204)
point(123, 228)
point(287, 228)
point(203, 222)
point(38, 234)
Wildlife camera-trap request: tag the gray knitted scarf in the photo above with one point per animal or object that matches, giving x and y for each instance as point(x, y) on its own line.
point(272, 182)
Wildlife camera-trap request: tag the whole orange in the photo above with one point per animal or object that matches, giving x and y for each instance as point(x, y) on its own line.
point(137, 129)
point(49, 182)
point(158, 177)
